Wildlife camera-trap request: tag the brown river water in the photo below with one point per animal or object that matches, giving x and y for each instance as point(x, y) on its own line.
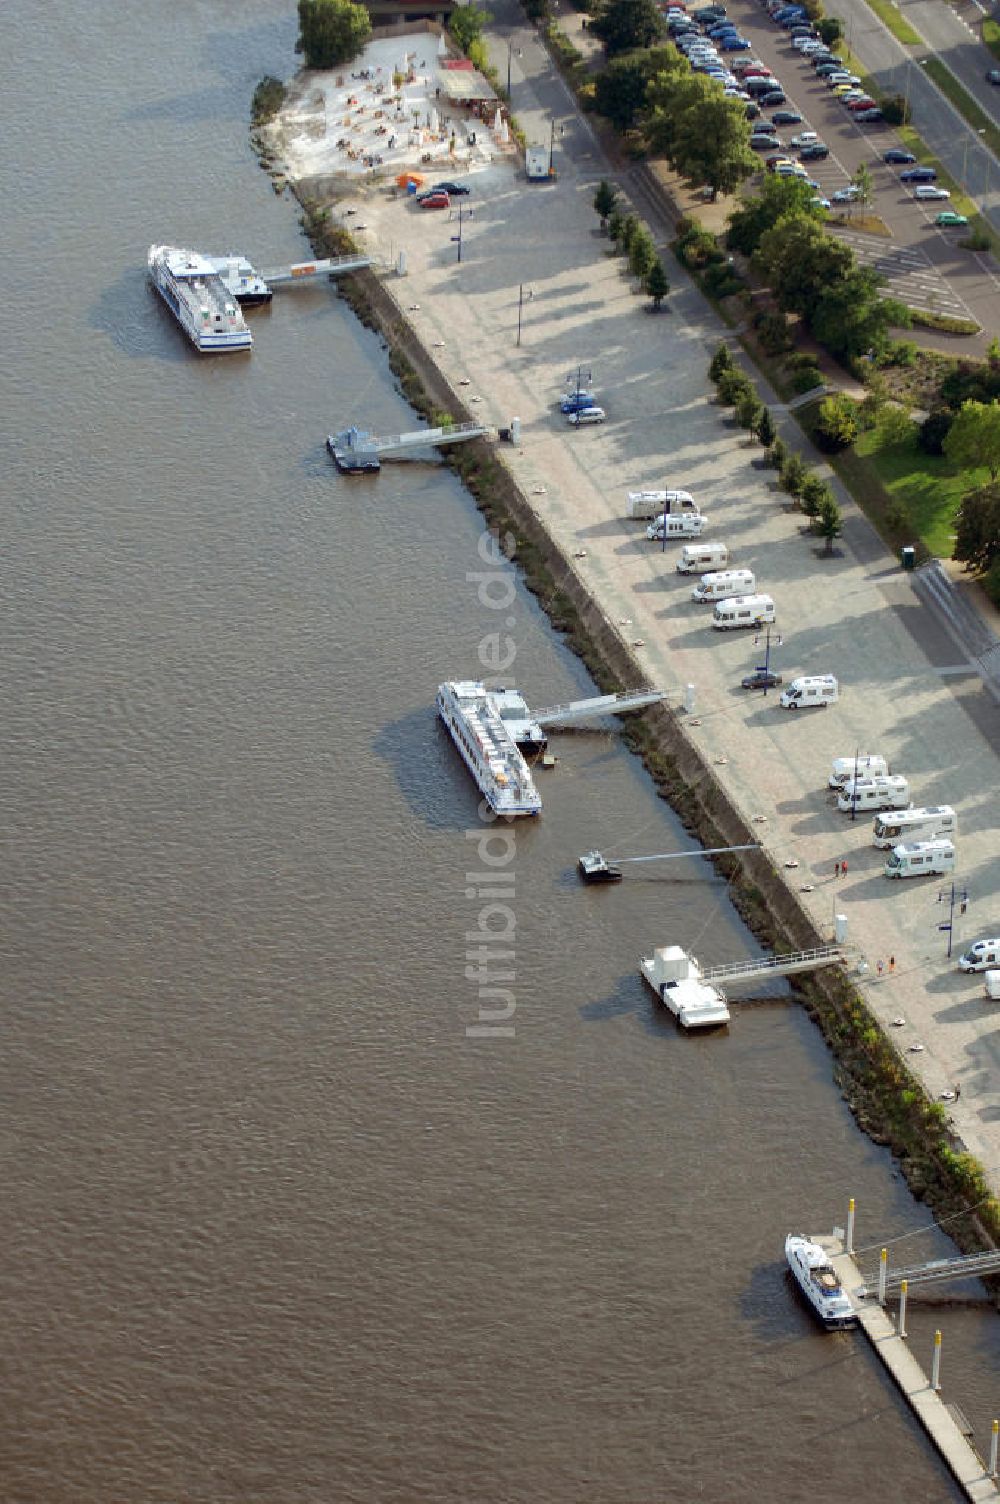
point(276, 1227)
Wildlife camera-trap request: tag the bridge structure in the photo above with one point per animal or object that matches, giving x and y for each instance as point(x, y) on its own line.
point(586, 710)
point(935, 1272)
point(775, 966)
point(307, 271)
point(356, 449)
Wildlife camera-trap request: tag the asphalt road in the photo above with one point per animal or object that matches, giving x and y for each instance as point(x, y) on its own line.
point(952, 33)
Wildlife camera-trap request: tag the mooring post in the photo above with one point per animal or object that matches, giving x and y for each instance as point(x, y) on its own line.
point(883, 1269)
point(849, 1247)
point(993, 1449)
point(936, 1363)
point(904, 1286)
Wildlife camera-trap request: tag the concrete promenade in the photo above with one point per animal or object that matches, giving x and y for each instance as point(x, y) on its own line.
point(905, 691)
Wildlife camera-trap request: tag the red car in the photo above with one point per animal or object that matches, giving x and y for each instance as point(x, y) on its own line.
point(435, 201)
point(855, 105)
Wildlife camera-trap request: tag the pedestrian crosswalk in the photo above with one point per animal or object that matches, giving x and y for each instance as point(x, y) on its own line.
point(910, 275)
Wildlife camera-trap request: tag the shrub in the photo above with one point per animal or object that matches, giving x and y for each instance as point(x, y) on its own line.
point(901, 352)
point(979, 240)
point(837, 424)
point(773, 333)
point(268, 97)
point(777, 454)
point(991, 582)
point(895, 109)
point(721, 282)
point(696, 247)
point(814, 494)
point(748, 410)
point(935, 429)
point(765, 429)
point(805, 378)
point(897, 515)
point(721, 361)
point(830, 29)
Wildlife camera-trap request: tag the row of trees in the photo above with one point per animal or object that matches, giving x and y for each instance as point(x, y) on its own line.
point(810, 491)
point(632, 239)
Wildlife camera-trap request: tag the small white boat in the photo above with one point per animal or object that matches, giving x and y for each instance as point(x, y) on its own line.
point(595, 868)
point(676, 979)
point(819, 1281)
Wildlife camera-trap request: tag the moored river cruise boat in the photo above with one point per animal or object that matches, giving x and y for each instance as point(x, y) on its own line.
point(819, 1281)
point(198, 298)
point(487, 748)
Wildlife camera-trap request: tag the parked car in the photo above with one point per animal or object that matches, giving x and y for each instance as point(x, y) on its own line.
point(896, 154)
point(864, 103)
point(792, 170)
point(848, 195)
point(993, 75)
point(760, 142)
point(760, 679)
point(805, 138)
point(736, 44)
point(776, 96)
point(752, 110)
point(814, 152)
point(577, 402)
point(822, 203)
point(918, 175)
point(773, 163)
point(949, 219)
point(867, 117)
point(929, 191)
point(826, 70)
point(433, 200)
point(586, 415)
point(786, 117)
point(456, 190)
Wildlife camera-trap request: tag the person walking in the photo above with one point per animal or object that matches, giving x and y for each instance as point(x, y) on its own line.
point(843, 869)
point(892, 964)
point(879, 967)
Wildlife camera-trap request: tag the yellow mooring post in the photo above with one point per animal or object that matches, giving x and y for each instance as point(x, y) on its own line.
point(849, 1246)
point(993, 1449)
point(903, 1287)
point(883, 1269)
point(936, 1363)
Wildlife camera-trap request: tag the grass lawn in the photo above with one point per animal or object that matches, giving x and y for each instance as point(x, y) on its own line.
point(928, 485)
point(963, 101)
point(889, 15)
point(991, 36)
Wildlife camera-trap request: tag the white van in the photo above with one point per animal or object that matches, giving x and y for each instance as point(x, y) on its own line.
point(992, 980)
point(891, 792)
point(921, 824)
point(723, 582)
point(701, 556)
point(743, 611)
point(983, 954)
point(646, 504)
point(686, 525)
point(864, 765)
point(921, 859)
point(814, 689)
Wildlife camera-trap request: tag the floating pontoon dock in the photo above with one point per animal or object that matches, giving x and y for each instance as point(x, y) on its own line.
point(356, 450)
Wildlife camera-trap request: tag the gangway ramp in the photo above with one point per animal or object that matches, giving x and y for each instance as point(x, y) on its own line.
point(585, 710)
point(937, 1271)
point(306, 271)
point(776, 966)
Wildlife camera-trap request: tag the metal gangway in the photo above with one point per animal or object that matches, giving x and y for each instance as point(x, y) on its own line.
point(776, 966)
point(966, 1266)
point(455, 433)
point(584, 710)
point(306, 271)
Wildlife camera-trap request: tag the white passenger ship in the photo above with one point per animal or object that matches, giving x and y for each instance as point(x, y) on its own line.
point(488, 748)
point(194, 292)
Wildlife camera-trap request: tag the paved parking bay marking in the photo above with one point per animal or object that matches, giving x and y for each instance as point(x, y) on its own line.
point(911, 276)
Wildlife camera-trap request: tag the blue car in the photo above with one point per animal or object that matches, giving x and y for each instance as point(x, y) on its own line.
point(736, 44)
point(575, 402)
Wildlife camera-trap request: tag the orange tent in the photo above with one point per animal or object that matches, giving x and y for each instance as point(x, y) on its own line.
point(406, 178)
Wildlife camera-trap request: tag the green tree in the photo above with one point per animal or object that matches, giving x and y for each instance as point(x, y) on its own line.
point(624, 25)
point(829, 523)
point(733, 386)
point(777, 455)
point(722, 361)
point(630, 228)
point(851, 318)
point(800, 261)
point(862, 181)
point(765, 429)
point(620, 91)
point(616, 224)
point(837, 423)
point(977, 528)
point(466, 24)
point(813, 494)
point(657, 285)
point(641, 254)
point(748, 410)
point(331, 31)
point(703, 135)
point(894, 426)
point(974, 440)
point(896, 109)
point(605, 200)
point(830, 30)
point(776, 200)
point(792, 474)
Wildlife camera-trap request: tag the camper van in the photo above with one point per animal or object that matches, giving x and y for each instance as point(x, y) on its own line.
point(743, 611)
point(992, 980)
point(891, 792)
point(647, 504)
point(814, 689)
point(723, 582)
point(921, 859)
point(696, 557)
point(921, 824)
point(864, 765)
point(686, 525)
point(981, 955)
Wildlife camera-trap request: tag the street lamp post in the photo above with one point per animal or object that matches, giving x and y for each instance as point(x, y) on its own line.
point(552, 143)
point(854, 785)
point(512, 51)
point(765, 667)
point(963, 900)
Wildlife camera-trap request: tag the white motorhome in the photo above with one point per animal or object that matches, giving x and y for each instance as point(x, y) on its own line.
point(812, 689)
point(721, 583)
point(686, 525)
point(864, 765)
point(891, 792)
point(983, 954)
point(697, 557)
point(647, 504)
point(921, 859)
point(992, 980)
point(921, 824)
point(538, 163)
point(743, 611)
